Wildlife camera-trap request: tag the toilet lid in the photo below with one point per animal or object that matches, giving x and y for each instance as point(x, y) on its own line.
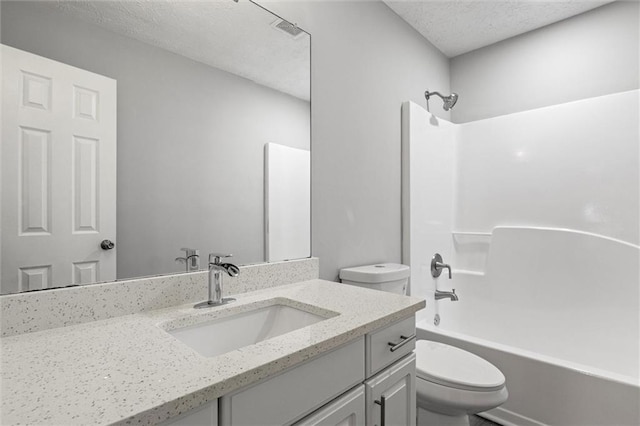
point(453, 367)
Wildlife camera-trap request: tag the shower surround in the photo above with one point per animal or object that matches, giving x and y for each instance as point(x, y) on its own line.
point(537, 212)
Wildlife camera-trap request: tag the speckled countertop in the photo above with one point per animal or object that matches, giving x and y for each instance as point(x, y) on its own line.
point(129, 370)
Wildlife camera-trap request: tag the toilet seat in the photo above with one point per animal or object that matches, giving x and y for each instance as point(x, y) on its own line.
point(456, 402)
point(456, 368)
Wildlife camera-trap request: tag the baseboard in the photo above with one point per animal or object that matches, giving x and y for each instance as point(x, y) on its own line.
point(509, 418)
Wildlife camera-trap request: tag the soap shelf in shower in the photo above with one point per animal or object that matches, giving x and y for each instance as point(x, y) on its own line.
point(471, 234)
point(469, 272)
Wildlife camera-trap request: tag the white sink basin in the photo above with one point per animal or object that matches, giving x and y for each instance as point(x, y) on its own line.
point(226, 334)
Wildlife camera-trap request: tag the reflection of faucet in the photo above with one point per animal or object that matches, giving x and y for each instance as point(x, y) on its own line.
point(215, 280)
point(437, 266)
point(191, 259)
point(447, 294)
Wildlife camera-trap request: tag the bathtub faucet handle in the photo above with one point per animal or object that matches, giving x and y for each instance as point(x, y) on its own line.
point(444, 265)
point(437, 266)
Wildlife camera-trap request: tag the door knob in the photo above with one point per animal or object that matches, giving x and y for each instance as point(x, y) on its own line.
point(107, 245)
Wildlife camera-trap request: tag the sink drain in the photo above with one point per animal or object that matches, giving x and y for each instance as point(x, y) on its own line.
point(436, 319)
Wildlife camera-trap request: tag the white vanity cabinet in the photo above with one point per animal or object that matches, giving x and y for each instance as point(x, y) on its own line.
point(367, 382)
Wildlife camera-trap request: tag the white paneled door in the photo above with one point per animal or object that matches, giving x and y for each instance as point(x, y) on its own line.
point(58, 177)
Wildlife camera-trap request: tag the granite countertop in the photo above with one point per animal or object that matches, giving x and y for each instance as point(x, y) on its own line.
point(129, 370)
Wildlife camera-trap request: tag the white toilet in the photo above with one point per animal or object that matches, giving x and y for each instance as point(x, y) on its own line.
point(450, 383)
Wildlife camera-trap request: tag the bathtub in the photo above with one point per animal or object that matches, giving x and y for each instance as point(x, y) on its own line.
point(557, 311)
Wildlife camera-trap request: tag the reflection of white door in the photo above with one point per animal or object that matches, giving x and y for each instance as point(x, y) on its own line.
point(287, 201)
point(58, 176)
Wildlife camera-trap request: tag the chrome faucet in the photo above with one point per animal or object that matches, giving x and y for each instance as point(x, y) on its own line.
point(451, 295)
point(216, 268)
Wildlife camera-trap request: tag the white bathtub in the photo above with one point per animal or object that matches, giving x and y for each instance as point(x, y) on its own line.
point(548, 391)
point(557, 312)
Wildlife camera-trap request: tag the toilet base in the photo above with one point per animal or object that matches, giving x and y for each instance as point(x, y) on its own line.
point(429, 418)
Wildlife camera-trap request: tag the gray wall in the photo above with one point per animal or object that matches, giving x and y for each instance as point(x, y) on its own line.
point(365, 62)
point(592, 54)
point(190, 141)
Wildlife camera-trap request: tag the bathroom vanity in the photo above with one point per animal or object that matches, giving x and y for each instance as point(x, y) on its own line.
point(334, 387)
point(353, 361)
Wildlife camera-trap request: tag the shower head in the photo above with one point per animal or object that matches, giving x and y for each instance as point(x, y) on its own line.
point(449, 101)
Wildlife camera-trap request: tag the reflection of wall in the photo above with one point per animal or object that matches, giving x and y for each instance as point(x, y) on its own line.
point(366, 61)
point(591, 54)
point(184, 132)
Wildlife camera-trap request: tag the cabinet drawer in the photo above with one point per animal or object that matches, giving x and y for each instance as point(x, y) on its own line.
point(283, 399)
point(380, 353)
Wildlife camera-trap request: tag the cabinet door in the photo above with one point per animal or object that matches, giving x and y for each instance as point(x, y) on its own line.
point(348, 410)
point(295, 393)
point(391, 395)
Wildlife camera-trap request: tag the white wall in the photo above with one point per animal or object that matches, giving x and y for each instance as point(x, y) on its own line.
point(176, 188)
point(428, 187)
point(365, 62)
point(592, 54)
point(574, 165)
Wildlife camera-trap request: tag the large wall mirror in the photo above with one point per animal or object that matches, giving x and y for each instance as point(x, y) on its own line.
point(134, 130)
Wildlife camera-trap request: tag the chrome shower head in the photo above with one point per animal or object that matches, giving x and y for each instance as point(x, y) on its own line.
point(449, 101)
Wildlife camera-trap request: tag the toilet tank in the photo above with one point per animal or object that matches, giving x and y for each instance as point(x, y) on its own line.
point(390, 277)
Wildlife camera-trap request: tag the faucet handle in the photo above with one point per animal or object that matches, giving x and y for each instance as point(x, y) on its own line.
point(188, 252)
point(191, 257)
point(437, 266)
point(216, 258)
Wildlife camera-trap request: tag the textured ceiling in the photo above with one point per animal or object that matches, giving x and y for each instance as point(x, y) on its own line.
point(459, 26)
point(235, 37)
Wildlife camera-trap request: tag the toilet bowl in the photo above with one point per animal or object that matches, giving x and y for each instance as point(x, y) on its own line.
point(450, 383)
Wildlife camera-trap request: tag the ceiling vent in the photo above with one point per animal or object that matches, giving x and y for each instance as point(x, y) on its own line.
point(287, 27)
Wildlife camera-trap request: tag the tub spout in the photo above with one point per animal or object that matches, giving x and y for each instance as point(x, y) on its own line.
point(451, 295)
